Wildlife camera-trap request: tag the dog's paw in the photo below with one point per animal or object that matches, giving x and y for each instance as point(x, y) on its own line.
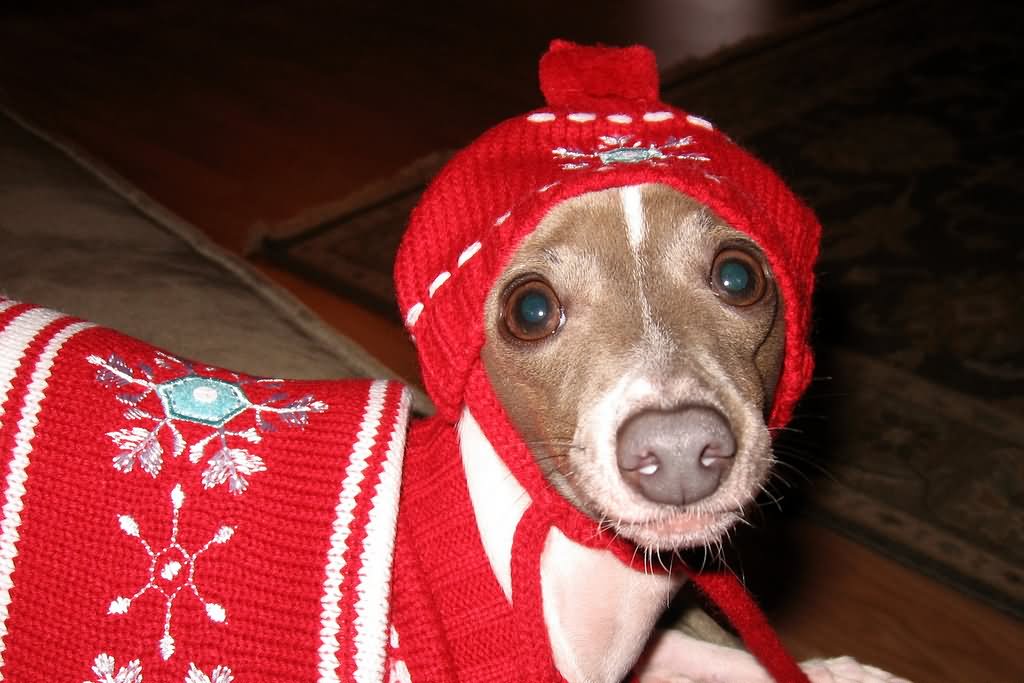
point(846, 670)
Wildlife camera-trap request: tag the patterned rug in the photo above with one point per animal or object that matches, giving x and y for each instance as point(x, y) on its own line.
point(897, 125)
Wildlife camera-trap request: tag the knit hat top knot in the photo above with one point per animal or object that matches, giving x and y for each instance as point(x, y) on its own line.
point(580, 76)
point(603, 127)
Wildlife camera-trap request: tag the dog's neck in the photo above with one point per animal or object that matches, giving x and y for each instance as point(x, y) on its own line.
point(598, 612)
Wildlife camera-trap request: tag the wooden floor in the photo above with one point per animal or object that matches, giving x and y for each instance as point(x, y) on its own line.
point(245, 114)
point(241, 116)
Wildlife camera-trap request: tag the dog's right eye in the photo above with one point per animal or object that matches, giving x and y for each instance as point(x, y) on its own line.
point(738, 277)
point(532, 311)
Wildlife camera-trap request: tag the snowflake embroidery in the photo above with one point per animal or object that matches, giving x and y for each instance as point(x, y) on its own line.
point(398, 672)
point(220, 674)
point(171, 571)
point(103, 668)
point(617, 149)
point(201, 400)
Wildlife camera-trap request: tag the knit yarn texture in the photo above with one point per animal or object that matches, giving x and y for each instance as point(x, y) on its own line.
point(604, 126)
point(166, 521)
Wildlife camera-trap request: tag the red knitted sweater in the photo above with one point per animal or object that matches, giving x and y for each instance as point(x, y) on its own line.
point(167, 521)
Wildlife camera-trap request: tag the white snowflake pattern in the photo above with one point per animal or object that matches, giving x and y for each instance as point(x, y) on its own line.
point(220, 674)
point(398, 672)
point(171, 571)
point(201, 399)
point(615, 150)
point(103, 668)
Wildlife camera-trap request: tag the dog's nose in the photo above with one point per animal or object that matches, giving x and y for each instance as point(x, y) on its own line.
point(676, 457)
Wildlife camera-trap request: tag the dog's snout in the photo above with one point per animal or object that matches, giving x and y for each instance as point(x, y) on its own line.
point(676, 457)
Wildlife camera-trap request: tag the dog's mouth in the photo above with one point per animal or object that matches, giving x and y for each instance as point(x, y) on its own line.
point(661, 528)
point(678, 530)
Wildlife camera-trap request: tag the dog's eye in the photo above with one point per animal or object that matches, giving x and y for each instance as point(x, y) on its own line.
point(532, 311)
point(738, 277)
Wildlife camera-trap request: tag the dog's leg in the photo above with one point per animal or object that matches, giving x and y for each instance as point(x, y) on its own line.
point(672, 652)
point(598, 612)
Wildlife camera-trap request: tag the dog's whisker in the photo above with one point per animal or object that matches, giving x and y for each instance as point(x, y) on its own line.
point(704, 559)
point(807, 469)
point(817, 467)
point(661, 562)
point(632, 560)
point(557, 443)
point(714, 550)
point(777, 482)
point(740, 519)
point(776, 501)
point(776, 475)
point(792, 448)
point(786, 430)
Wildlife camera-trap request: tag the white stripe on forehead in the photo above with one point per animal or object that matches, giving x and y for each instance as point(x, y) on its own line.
point(636, 224)
point(657, 342)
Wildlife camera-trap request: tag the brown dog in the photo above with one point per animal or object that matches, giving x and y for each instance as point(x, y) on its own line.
point(635, 339)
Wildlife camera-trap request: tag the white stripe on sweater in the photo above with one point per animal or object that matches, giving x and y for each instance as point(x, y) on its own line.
point(13, 341)
point(350, 488)
point(378, 551)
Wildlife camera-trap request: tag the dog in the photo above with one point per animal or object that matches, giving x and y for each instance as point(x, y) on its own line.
point(636, 341)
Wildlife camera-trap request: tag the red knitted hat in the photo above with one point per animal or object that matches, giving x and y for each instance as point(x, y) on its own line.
point(604, 126)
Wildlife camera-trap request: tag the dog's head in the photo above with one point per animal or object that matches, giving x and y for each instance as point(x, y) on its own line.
point(635, 340)
point(636, 221)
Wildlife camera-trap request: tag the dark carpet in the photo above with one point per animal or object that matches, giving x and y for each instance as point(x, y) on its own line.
point(899, 125)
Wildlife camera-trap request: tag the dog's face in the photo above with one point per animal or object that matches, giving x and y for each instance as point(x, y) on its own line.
point(635, 341)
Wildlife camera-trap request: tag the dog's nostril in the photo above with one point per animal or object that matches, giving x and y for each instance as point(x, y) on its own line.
point(675, 457)
point(650, 468)
point(645, 463)
point(716, 453)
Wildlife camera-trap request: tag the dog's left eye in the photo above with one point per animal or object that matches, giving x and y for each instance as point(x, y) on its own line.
point(738, 277)
point(532, 311)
